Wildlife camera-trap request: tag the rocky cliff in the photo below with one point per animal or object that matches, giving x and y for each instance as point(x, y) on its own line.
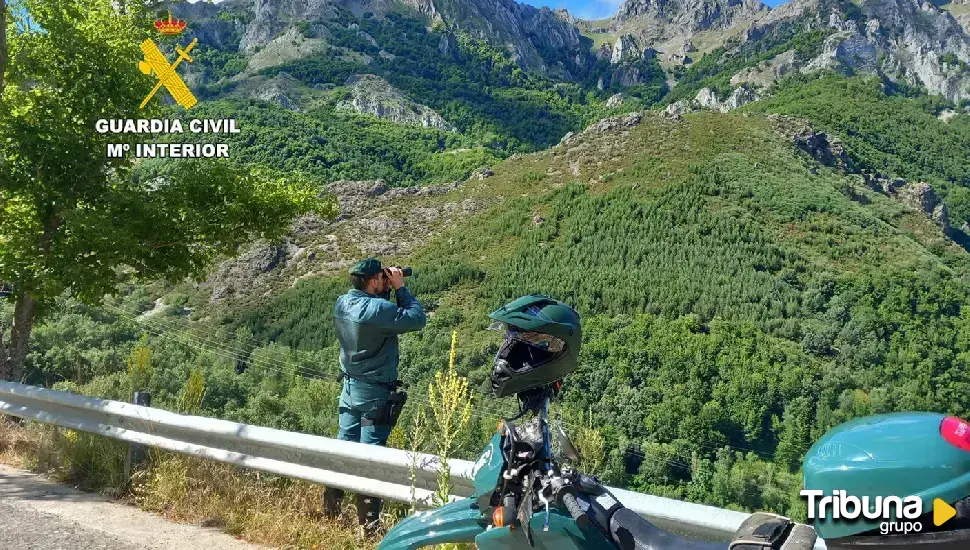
point(372, 95)
point(668, 27)
point(656, 21)
point(910, 41)
point(907, 40)
point(540, 39)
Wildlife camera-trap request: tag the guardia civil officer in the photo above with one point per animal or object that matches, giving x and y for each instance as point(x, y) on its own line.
point(367, 325)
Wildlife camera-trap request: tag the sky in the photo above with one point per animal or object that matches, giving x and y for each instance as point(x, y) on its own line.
point(596, 9)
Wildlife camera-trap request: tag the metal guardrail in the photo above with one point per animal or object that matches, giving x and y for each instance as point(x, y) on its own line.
point(355, 467)
point(378, 471)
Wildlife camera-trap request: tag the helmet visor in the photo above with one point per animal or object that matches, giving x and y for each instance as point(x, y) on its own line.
point(524, 351)
point(541, 340)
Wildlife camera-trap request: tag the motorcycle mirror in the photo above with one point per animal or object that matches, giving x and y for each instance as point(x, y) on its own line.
point(568, 449)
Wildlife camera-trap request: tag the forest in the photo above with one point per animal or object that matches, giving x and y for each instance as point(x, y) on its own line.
point(498, 108)
point(890, 128)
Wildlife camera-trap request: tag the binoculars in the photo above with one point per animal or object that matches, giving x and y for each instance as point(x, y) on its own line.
point(406, 271)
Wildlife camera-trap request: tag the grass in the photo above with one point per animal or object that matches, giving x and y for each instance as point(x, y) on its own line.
point(260, 508)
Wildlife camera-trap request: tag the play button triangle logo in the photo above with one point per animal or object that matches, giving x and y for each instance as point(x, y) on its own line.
point(942, 512)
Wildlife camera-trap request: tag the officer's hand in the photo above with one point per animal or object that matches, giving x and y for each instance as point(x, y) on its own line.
point(395, 276)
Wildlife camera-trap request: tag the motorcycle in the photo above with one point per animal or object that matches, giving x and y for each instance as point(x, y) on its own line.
point(525, 498)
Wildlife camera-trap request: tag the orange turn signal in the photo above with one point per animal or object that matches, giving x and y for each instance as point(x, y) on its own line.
point(498, 516)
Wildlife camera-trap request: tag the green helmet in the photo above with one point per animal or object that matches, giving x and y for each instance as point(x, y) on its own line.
point(542, 341)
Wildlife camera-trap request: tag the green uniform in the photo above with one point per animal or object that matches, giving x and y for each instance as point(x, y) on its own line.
point(367, 327)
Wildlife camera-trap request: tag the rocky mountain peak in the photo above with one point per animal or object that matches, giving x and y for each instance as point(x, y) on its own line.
point(661, 20)
point(540, 39)
point(910, 41)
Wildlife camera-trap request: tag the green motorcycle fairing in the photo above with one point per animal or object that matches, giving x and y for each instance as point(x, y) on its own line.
point(459, 521)
point(563, 534)
point(469, 520)
point(488, 470)
point(462, 521)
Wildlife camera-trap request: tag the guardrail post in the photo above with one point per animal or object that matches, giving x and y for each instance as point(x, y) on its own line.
point(136, 452)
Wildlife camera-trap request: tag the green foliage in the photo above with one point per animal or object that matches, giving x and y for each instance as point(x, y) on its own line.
point(140, 367)
point(75, 221)
point(776, 308)
point(78, 344)
point(958, 203)
point(321, 69)
point(331, 146)
point(235, 15)
point(220, 64)
point(949, 58)
point(305, 28)
point(715, 69)
point(450, 410)
point(417, 435)
point(884, 130)
point(190, 400)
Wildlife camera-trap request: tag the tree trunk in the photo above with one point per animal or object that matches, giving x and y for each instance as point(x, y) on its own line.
point(13, 355)
point(5, 371)
point(4, 363)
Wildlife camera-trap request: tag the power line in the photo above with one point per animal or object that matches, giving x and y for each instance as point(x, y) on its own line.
point(220, 348)
point(205, 345)
point(228, 351)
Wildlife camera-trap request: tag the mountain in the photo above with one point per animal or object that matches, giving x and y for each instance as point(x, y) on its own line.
point(909, 41)
point(539, 39)
point(912, 42)
point(669, 26)
point(650, 49)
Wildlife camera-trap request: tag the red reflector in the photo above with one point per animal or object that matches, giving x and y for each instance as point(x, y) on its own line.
point(956, 431)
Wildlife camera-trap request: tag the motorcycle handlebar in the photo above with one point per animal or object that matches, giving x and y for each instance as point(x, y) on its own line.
point(569, 501)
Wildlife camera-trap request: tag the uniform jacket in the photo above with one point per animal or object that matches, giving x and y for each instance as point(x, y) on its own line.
point(367, 328)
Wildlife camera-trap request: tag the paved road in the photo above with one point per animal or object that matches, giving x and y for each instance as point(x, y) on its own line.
point(36, 514)
point(28, 529)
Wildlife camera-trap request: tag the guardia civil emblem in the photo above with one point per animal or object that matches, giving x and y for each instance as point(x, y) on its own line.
point(155, 63)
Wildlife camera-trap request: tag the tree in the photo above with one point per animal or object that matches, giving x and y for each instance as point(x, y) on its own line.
point(3, 42)
point(72, 220)
point(958, 202)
